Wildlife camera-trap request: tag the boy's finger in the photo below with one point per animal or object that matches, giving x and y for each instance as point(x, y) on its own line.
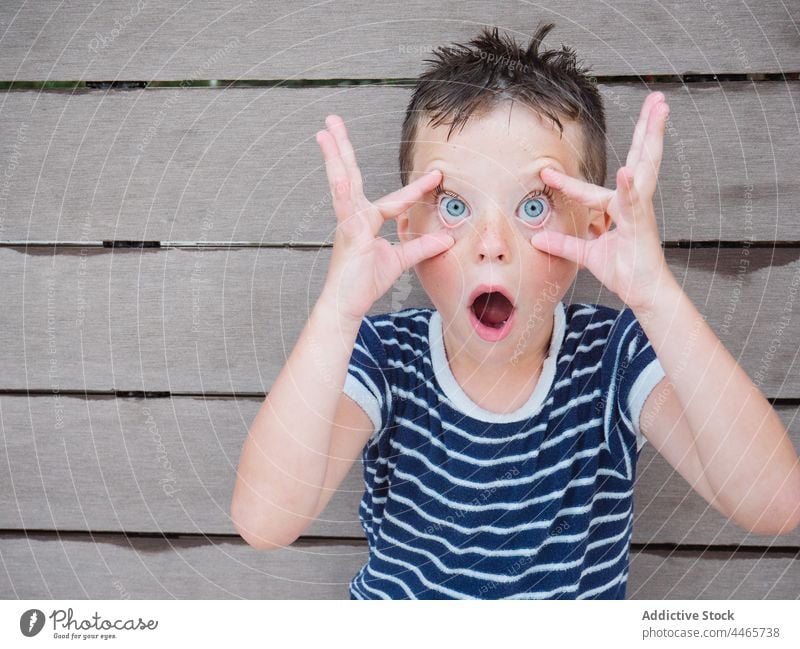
point(338, 181)
point(635, 152)
point(399, 201)
point(561, 245)
point(654, 143)
point(416, 250)
point(339, 131)
point(579, 190)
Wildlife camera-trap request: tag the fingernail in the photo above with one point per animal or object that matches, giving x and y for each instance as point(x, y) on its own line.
point(447, 241)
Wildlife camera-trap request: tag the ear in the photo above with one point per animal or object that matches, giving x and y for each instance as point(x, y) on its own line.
point(599, 223)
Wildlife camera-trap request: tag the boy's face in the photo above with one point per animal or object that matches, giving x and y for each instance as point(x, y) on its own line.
point(492, 208)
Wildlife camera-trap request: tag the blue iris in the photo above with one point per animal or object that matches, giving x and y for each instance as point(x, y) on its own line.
point(454, 207)
point(534, 210)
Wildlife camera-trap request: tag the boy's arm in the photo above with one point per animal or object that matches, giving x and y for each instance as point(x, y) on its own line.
point(708, 418)
point(713, 425)
point(284, 476)
point(350, 433)
point(284, 459)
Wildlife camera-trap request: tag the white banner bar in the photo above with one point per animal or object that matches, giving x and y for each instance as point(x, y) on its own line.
point(485, 623)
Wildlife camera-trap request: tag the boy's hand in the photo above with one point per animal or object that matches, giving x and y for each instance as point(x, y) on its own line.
point(364, 266)
point(628, 259)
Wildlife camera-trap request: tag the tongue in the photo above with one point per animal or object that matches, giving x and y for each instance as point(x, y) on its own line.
point(492, 309)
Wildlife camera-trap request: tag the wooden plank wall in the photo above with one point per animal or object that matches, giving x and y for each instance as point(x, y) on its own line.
point(130, 374)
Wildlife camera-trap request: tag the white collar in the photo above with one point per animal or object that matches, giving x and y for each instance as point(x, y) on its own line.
point(461, 400)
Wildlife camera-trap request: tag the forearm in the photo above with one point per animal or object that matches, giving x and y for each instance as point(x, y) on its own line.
point(285, 456)
point(747, 456)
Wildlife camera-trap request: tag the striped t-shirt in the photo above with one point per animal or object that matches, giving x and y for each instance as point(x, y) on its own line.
point(461, 502)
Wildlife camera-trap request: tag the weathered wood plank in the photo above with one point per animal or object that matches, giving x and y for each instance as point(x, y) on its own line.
point(108, 566)
point(41, 566)
point(169, 465)
point(242, 164)
point(668, 510)
point(713, 574)
point(273, 40)
point(223, 321)
point(135, 465)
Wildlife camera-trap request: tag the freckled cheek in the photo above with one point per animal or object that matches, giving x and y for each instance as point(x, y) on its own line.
point(539, 267)
point(441, 276)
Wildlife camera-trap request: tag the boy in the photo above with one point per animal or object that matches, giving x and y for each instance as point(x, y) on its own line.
point(500, 430)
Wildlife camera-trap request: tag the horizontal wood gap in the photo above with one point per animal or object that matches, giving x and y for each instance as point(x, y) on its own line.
point(145, 395)
point(139, 84)
point(327, 540)
point(131, 394)
point(317, 245)
point(112, 535)
point(702, 549)
point(200, 245)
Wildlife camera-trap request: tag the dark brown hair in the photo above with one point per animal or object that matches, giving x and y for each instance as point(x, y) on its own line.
point(473, 78)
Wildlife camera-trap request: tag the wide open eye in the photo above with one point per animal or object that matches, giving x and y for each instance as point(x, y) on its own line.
point(534, 210)
point(452, 209)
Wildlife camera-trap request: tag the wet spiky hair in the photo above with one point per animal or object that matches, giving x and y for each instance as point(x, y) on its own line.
point(474, 78)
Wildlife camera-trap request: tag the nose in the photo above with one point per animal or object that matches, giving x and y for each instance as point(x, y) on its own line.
point(493, 239)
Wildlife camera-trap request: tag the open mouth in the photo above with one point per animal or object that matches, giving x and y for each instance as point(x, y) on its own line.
point(492, 315)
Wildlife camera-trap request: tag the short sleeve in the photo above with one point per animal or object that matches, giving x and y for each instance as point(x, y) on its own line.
point(366, 381)
point(637, 370)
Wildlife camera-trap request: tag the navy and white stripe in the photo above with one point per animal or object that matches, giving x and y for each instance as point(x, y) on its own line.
point(461, 502)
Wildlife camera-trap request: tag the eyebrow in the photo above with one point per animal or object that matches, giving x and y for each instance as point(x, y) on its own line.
point(532, 170)
point(529, 181)
point(541, 163)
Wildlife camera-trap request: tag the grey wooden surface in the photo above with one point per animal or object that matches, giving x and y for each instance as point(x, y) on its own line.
point(242, 165)
point(229, 180)
point(168, 465)
point(224, 321)
point(357, 39)
point(112, 567)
